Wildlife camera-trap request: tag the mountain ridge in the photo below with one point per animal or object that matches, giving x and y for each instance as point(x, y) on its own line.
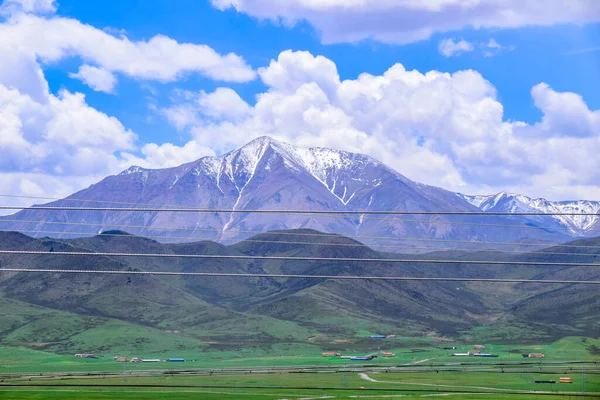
point(512, 202)
point(268, 174)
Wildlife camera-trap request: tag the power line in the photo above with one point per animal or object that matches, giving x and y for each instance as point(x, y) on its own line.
point(461, 389)
point(331, 214)
point(299, 212)
point(295, 276)
point(291, 258)
point(316, 213)
point(326, 244)
point(175, 206)
point(388, 238)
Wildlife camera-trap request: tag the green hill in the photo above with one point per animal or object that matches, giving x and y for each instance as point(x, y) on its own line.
point(67, 313)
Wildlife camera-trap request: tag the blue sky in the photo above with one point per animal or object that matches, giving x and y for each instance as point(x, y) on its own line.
point(162, 106)
point(539, 55)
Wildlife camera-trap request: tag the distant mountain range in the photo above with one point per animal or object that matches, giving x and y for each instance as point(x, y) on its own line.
point(509, 202)
point(268, 174)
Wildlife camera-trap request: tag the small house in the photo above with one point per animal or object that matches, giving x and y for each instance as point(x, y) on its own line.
point(391, 336)
point(388, 354)
point(175, 359)
point(84, 355)
point(152, 360)
point(479, 347)
point(565, 379)
point(377, 336)
point(536, 355)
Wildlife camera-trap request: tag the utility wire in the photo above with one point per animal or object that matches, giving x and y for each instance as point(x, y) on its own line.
point(143, 204)
point(299, 212)
point(288, 258)
point(516, 226)
point(460, 389)
point(325, 244)
point(320, 213)
point(294, 276)
point(387, 238)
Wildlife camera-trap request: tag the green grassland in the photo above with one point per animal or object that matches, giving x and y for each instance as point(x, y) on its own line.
point(337, 385)
point(15, 360)
point(432, 371)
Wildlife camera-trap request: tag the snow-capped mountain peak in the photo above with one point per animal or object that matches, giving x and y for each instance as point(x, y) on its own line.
point(512, 202)
point(341, 172)
point(270, 174)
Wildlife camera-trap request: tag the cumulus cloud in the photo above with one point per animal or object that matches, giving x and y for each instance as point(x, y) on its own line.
point(168, 155)
point(63, 136)
point(53, 144)
point(160, 58)
point(222, 104)
point(293, 69)
point(448, 47)
point(98, 79)
point(407, 21)
point(47, 138)
point(439, 128)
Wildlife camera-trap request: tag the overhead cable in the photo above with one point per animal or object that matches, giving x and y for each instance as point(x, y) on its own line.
point(325, 244)
point(295, 276)
point(288, 233)
point(300, 212)
point(293, 258)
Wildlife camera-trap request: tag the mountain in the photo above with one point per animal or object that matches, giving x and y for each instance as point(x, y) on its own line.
point(268, 174)
point(57, 312)
point(577, 225)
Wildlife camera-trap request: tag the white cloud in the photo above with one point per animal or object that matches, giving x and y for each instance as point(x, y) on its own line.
point(28, 6)
point(160, 58)
point(449, 48)
point(40, 185)
point(493, 48)
point(98, 79)
point(292, 69)
point(565, 114)
point(439, 128)
point(223, 103)
point(63, 135)
point(407, 21)
point(168, 155)
point(55, 144)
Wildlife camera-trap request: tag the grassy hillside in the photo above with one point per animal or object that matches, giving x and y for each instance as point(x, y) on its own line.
point(64, 313)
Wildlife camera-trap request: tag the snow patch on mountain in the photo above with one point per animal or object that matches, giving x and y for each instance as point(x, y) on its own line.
point(132, 170)
point(334, 169)
point(515, 203)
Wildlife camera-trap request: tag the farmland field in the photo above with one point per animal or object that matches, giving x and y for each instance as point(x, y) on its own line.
point(413, 372)
point(277, 386)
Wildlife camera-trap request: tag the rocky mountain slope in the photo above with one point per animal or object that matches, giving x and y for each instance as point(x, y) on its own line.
point(267, 174)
